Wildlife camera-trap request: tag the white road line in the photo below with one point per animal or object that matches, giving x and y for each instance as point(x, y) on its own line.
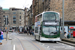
point(43, 44)
point(13, 47)
point(52, 49)
point(47, 46)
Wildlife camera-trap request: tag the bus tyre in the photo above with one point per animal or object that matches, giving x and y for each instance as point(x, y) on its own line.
point(39, 38)
point(54, 41)
point(35, 38)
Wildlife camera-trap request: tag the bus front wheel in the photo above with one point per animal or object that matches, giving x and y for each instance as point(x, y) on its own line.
point(35, 38)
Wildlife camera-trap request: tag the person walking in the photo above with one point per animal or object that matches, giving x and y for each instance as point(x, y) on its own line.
point(27, 30)
point(65, 35)
point(1, 37)
point(70, 34)
point(30, 30)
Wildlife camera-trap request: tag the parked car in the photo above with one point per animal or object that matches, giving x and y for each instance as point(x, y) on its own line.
point(10, 30)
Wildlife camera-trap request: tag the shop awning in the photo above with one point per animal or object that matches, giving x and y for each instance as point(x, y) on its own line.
point(71, 27)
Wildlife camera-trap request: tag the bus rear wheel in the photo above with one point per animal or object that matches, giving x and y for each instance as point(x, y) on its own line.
point(54, 41)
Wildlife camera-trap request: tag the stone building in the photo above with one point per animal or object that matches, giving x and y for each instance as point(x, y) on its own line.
point(16, 18)
point(31, 16)
point(39, 6)
point(69, 10)
point(28, 16)
point(55, 5)
point(5, 15)
point(1, 17)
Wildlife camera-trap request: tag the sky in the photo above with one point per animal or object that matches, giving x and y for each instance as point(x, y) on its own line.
point(6, 4)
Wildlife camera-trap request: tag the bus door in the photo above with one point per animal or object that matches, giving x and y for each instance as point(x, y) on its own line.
point(36, 31)
point(39, 30)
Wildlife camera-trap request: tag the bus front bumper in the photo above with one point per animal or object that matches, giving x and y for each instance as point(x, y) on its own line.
point(49, 39)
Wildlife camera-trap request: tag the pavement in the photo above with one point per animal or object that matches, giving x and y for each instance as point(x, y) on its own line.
point(18, 42)
point(21, 43)
point(69, 41)
point(6, 44)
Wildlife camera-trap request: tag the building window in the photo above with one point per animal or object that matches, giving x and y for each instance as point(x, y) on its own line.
point(20, 12)
point(14, 12)
point(3, 15)
point(20, 17)
point(14, 22)
point(6, 16)
point(42, 0)
point(20, 23)
point(14, 17)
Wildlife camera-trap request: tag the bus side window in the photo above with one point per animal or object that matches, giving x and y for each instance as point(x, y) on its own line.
point(40, 17)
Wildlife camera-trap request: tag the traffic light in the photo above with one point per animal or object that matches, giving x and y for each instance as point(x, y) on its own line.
point(6, 21)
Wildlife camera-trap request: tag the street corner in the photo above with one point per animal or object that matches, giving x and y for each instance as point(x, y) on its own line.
point(4, 42)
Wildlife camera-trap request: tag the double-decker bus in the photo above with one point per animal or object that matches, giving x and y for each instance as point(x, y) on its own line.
point(47, 26)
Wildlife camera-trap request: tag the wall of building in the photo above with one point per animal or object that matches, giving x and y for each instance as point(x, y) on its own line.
point(1, 16)
point(6, 13)
point(28, 16)
point(55, 5)
point(19, 13)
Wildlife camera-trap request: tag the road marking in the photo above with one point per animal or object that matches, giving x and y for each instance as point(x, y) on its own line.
point(52, 49)
point(43, 44)
point(13, 47)
point(47, 46)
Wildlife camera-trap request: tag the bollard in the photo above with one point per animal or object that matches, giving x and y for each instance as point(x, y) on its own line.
point(0, 43)
point(7, 36)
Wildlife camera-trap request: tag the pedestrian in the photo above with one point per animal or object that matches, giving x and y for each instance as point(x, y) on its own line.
point(1, 37)
point(65, 35)
point(70, 34)
point(27, 30)
point(32, 31)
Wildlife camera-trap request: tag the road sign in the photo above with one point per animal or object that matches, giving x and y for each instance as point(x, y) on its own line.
point(5, 27)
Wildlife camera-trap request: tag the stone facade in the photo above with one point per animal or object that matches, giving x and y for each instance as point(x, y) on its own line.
point(69, 8)
point(28, 16)
point(55, 5)
point(39, 6)
point(5, 13)
point(16, 17)
point(1, 17)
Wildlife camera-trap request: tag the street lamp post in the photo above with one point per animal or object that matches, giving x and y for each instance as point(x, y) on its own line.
point(63, 18)
point(7, 27)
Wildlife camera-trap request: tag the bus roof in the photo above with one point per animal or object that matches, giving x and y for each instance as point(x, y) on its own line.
point(46, 11)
